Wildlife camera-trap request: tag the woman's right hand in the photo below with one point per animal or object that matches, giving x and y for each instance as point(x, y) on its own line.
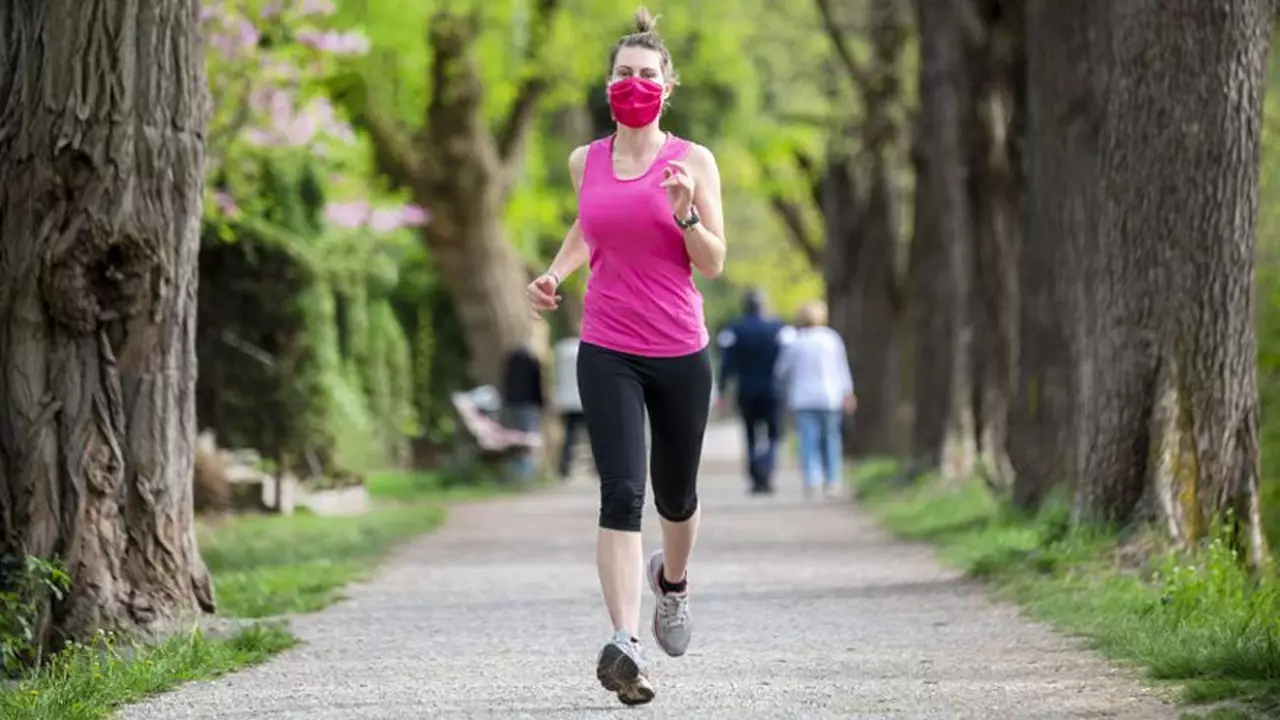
point(542, 293)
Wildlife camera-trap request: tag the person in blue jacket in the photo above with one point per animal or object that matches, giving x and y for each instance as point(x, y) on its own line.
point(749, 349)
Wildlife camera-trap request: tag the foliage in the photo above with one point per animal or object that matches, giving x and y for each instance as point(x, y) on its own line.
point(90, 681)
point(320, 381)
point(27, 586)
point(730, 71)
point(369, 323)
point(1197, 619)
point(1267, 279)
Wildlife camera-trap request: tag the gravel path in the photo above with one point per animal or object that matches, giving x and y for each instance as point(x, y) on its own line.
point(801, 611)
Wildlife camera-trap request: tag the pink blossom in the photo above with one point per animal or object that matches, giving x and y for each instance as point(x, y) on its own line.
point(414, 215)
point(385, 219)
point(359, 214)
point(331, 41)
point(290, 126)
point(235, 38)
point(259, 137)
point(317, 7)
point(352, 214)
point(272, 9)
point(224, 201)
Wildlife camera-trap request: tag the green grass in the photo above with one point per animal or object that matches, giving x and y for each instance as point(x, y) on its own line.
point(89, 683)
point(266, 565)
point(261, 566)
point(1198, 620)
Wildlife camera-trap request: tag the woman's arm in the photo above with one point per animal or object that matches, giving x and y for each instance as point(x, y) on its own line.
point(573, 252)
point(705, 241)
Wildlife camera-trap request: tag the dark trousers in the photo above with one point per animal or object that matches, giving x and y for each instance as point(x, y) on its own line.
point(573, 424)
point(760, 414)
point(617, 388)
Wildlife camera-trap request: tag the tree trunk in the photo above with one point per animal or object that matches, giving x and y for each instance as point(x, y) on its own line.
point(861, 258)
point(928, 287)
point(1062, 147)
point(944, 223)
point(861, 292)
point(1171, 414)
point(995, 189)
point(483, 273)
point(463, 172)
point(101, 182)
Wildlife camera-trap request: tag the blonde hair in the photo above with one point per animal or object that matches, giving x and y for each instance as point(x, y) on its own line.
point(812, 314)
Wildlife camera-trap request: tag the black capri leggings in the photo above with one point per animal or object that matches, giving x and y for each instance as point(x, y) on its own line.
point(616, 388)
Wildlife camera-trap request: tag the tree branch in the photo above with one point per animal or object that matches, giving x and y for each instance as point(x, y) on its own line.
point(515, 129)
point(857, 73)
point(455, 111)
point(813, 179)
point(793, 218)
point(393, 149)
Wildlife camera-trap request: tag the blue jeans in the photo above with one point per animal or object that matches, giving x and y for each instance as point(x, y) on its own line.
point(821, 446)
point(528, 418)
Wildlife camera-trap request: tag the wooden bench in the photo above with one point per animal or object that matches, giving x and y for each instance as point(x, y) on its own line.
point(482, 435)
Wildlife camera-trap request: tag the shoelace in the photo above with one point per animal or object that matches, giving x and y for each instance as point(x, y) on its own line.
point(673, 610)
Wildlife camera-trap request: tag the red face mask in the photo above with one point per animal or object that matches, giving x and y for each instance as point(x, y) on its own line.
point(635, 102)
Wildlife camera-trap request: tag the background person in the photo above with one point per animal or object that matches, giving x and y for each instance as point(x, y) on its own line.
point(814, 374)
point(749, 349)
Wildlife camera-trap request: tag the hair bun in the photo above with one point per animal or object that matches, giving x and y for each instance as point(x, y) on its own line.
point(645, 21)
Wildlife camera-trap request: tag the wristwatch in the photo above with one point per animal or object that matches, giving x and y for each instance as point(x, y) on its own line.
point(688, 222)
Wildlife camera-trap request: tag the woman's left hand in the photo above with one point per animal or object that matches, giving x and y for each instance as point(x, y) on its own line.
point(680, 185)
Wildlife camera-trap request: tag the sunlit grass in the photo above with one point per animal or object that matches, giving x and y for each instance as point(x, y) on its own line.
point(1198, 620)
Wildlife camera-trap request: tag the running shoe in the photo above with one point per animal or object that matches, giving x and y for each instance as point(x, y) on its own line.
point(621, 669)
point(671, 624)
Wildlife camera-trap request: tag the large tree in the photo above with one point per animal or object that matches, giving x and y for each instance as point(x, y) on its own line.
point(101, 182)
point(1063, 122)
point(1169, 417)
point(864, 225)
point(940, 275)
point(463, 169)
point(995, 180)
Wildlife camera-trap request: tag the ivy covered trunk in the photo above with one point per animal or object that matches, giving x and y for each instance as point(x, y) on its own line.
point(101, 181)
point(1170, 412)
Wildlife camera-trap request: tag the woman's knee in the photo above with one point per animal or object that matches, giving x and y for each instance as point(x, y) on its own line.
point(676, 507)
point(622, 504)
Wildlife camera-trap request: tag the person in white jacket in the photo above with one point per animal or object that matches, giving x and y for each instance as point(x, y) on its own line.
point(813, 373)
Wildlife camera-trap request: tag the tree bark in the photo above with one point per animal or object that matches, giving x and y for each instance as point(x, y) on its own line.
point(101, 182)
point(1171, 411)
point(995, 189)
point(861, 266)
point(929, 285)
point(1062, 146)
point(943, 223)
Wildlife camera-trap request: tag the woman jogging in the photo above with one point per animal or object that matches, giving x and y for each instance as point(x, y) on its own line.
point(648, 212)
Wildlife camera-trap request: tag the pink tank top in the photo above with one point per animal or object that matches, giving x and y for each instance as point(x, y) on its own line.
point(640, 297)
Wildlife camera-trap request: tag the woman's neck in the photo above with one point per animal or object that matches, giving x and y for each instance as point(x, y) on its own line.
point(638, 142)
